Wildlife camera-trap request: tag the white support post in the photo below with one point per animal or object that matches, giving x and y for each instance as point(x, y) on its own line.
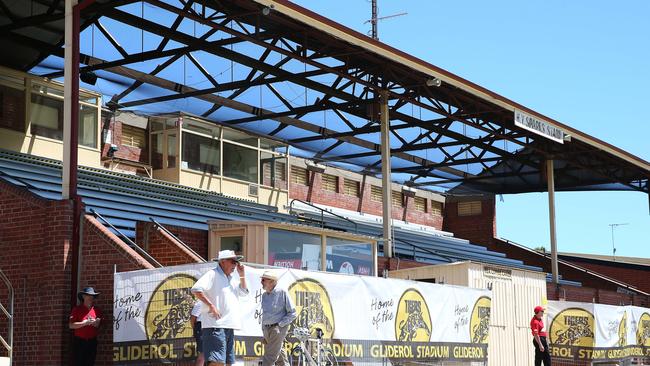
point(385, 175)
point(67, 96)
point(550, 176)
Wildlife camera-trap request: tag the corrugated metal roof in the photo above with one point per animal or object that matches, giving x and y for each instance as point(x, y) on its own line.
point(126, 199)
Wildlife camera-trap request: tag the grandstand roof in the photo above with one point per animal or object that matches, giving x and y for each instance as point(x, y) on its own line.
point(126, 199)
point(274, 68)
point(607, 258)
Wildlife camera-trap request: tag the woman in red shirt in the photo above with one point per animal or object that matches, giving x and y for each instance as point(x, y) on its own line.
point(539, 338)
point(84, 320)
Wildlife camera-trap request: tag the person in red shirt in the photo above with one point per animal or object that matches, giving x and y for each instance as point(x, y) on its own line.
point(84, 320)
point(539, 338)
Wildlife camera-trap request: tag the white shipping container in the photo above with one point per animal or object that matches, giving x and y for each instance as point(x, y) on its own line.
point(515, 293)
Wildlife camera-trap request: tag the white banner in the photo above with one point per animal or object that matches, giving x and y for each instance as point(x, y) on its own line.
point(587, 331)
point(363, 318)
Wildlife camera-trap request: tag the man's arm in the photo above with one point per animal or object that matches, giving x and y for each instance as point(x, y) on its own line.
point(243, 288)
point(204, 299)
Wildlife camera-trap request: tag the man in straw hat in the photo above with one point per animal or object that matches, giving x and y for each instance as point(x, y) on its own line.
point(84, 320)
point(277, 313)
point(219, 291)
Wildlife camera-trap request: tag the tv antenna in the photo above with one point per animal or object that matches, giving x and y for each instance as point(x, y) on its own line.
point(614, 247)
point(375, 19)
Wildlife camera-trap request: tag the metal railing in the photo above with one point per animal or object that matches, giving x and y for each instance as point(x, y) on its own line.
point(322, 214)
point(9, 313)
point(158, 225)
point(128, 240)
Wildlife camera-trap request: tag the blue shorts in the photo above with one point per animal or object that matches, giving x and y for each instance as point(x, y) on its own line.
point(197, 337)
point(218, 345)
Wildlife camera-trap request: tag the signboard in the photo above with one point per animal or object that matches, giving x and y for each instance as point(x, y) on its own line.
point(364, 319)
point(538, 126)
point(596, 332)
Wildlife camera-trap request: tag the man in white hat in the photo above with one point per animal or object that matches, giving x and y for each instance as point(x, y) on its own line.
point(277, 314)
point(219, 291)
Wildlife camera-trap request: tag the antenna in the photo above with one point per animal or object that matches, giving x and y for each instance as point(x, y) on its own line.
point(375, 19)
point(613, 247)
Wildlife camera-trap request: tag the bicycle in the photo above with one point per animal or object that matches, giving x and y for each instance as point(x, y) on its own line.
point(310, 351)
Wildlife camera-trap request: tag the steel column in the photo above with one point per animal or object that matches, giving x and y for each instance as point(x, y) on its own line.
point(550, 176)
point(385, 175)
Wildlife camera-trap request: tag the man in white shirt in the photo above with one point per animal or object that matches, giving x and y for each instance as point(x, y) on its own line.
point(219, 291)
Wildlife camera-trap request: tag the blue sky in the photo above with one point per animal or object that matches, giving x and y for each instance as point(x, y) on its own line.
point(584, 63)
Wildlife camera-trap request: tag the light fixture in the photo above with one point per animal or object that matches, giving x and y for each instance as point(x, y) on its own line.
point(111, 150)
point(315, 167)
point(88, 77)
point(434, 82)
point(267, 10)
point(408, 191)
point(566, 138)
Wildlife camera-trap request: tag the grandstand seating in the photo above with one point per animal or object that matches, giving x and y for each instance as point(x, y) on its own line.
point(126, 199)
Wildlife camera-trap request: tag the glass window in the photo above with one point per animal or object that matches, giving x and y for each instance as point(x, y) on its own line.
point(201, 153)
point(47, 117)
point(376, 194)
point(12, 108)
point(348, 256)
point(299, 175)
point(330, 182)
point(232, 243)
point(294, 249)
point(88, 126)
point(271, 145)
point(420, 204)
point(274, 170)
point(157, 126)
point(201, 128)
point(156, 150)
point(351, 187)
point(172, 150)
point(240, 162)
point(239, 137)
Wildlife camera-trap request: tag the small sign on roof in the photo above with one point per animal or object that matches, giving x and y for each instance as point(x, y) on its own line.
point(538, 126)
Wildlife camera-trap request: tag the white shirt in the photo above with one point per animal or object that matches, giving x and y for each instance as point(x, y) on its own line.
point(196, 310)
point(224, 292)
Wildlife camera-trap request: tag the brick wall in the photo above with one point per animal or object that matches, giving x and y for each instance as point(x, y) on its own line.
point(35, 243)
point(166, 250)
point(629, 273)
point(314, 193)
point(103, 253)
point(590, 294)
point(479, 229)
point(125, 152)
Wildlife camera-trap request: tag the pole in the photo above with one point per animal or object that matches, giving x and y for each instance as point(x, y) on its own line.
point(550, 175)
point(385, 174)
point(374, 20)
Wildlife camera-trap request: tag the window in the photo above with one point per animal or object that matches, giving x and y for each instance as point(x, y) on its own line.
point(239, 137)
point(47, 117)
point(273, 169)
point(299, 175)
point(172, 150)
point(133, 136)
point(240, 162)
point(397, 199)
point(420, 204)
point(157, 150)
point(348, 256)
point(88, 126)
point(351, 187)
point(376, 194)
point(12, 108)
point(470, 208)
point(294, 249)
point(200, 153)
point(330, 182)
point(436, 208)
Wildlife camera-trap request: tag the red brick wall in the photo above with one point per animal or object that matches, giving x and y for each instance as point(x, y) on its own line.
point(35, 242)
point(315, 194)
point(197, 240)
point(102, 253)
point(631, 274)
point(479, 229)
point(590, 294)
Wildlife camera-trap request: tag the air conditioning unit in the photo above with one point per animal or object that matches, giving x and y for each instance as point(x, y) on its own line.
point(253, 190)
